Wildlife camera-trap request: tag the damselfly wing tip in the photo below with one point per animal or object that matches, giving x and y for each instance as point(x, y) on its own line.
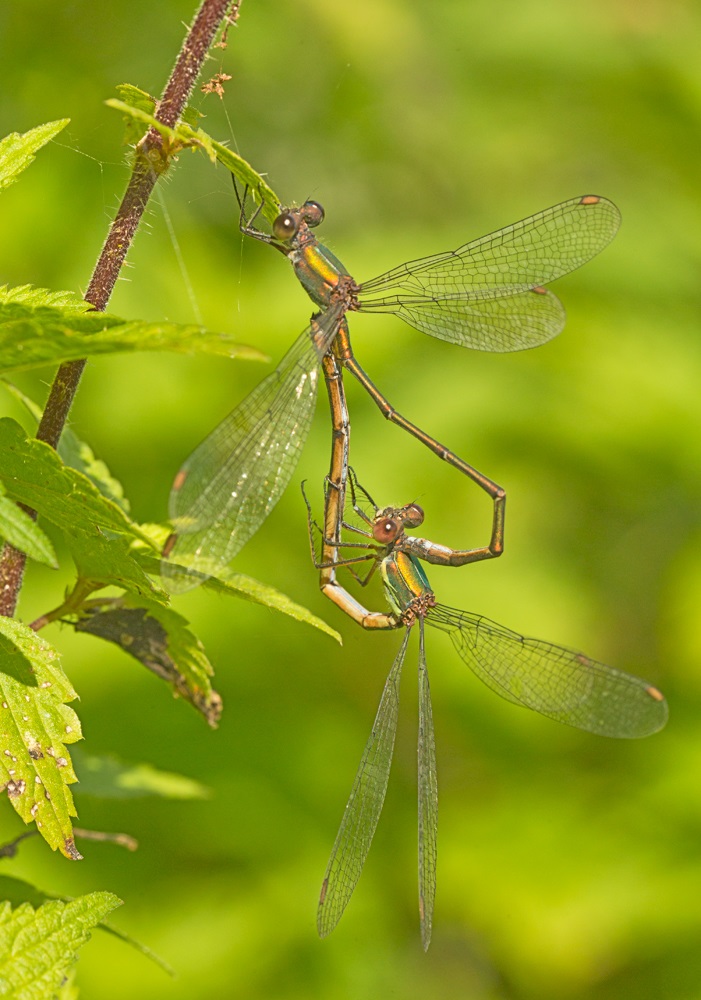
point(426, 925)
point(660, 709)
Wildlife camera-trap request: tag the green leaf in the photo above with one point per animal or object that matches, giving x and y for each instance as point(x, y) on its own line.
point(159, 638)
point(235, 585)
point(260, 593)
point(39, 946)
point(34, 474)
point(39, 327)
point(17, 150)
point(183, 136)
point(18, 528)
point(134, 97)
point(109, 560)
point(191, 116)
point(97, 531)
point(35, 726)
point(78, 454)
point(16, 891)
point(28, 298)
point(108, 777)
point(140, 100)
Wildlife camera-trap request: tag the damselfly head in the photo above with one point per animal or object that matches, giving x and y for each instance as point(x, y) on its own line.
point(390, 522)
point(286, 225)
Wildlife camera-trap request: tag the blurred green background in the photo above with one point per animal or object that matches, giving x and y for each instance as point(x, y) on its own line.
point(569, 866)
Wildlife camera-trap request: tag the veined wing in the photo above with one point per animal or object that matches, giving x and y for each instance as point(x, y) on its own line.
point(531, 252)
point(431, 293)
point(364, 805)
point(510, 323)
point(233, 479)
point(428, 799)
point(560, 683)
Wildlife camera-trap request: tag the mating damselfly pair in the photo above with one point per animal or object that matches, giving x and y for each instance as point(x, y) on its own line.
point(488, 294)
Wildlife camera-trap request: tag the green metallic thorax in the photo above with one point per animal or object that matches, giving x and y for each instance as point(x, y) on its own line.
point(404, 580)
point(318, 271)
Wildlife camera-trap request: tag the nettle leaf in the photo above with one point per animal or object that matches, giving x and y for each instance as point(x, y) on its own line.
point(184, 136)
point(136, 98)
point(39, 946)
point(260, 593)
point(35, 475)
point(18, 528)
point(140, 100)
point(35, 726)
point(17, 150)
point(76, 453)
point(235, 585)
point(16, 891)
point(159, 638)
point(33, 298)
point(97, 531)
point(38, 327)
point(108, 560)
point(108, 777)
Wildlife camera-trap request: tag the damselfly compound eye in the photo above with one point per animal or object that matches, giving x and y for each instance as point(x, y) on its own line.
point(386, 530)
point(312, 213)
point(413, 516)
point(286, 226)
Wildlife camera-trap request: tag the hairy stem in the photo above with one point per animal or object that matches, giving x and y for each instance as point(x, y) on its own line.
point(151, 160)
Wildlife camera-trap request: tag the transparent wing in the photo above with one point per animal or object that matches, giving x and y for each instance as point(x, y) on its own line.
point(428, 800)
point(514, 323)
point(432, 293)
point(233, 479)
point(364, 806)
point(558, 682)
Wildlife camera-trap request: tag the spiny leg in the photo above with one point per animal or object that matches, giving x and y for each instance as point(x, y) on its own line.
point(246, 225)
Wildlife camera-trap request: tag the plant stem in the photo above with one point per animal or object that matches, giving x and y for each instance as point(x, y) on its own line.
point(75, 602)
point(151, 160)
point(9, 850)
point(120, 839)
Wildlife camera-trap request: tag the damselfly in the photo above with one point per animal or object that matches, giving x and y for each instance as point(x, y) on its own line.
point(555, 681)
point(487, 294)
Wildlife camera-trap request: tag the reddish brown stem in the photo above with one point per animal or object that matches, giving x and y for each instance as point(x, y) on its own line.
point(150, 162)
